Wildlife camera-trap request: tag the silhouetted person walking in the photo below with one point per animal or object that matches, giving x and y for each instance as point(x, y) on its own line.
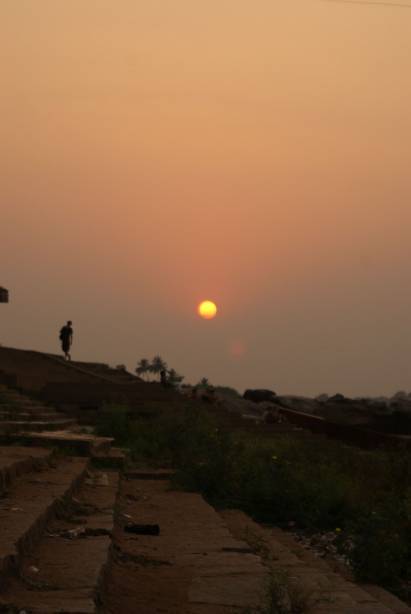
point(66, 338)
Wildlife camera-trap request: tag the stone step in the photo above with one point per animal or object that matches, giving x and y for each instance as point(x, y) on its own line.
point(18, 426)
point(385, 599)
point(5, 391)
point(81, 444)
point(327, 592)
point(397, 606)
point(16, 399)
point(17, 460)
point(29, 406)
point(62, 573)
point(38, 409)
point(150, 474)
point(24, 406)
point(25, 416)
point(115, 458)
point(192, 564)
point(30, 504)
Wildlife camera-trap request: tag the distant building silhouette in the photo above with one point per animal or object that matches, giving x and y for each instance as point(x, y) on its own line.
point(4, 295)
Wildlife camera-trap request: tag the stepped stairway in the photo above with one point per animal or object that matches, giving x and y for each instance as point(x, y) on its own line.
point(30, 422)
point(79, 539)
point(18, 413)
point(56, 516)
point(56, 509)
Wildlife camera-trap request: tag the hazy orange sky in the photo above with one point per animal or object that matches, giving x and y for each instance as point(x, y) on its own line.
point(155, 153)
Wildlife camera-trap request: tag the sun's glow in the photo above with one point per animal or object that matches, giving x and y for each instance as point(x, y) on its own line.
point(207, 310)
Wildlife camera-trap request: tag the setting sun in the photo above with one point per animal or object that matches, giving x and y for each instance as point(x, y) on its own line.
point(207, 310)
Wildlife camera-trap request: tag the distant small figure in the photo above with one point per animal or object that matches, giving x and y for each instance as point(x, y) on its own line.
point(163, 378)
point(66, 338)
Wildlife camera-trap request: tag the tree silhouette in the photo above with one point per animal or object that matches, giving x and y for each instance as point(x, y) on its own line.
point(157, 365)
point(143, 367)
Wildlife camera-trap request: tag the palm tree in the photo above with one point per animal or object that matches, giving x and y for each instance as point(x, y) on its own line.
point(158, 365)
point(143, 367)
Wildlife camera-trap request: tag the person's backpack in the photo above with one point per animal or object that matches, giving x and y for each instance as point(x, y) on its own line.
point(61, 335)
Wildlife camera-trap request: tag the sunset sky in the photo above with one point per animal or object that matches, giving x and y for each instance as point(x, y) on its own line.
point(155, 153)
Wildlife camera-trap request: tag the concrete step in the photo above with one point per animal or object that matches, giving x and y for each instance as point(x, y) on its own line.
point(30, 504)
point(81, 444)
point(18, 426)
point(25, 416)
point(17, 460)
point(70, 557)
point(327, 592)
point(16, 399)
point(38, 409)
point(114, 458)
point(150, 474)
point(5, 391)
point(192, 565)
point(27, 405)
point(397, 606)
point(380, 599)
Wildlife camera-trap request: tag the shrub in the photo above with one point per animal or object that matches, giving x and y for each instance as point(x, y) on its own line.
point(113, 422)
point(379, 545)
